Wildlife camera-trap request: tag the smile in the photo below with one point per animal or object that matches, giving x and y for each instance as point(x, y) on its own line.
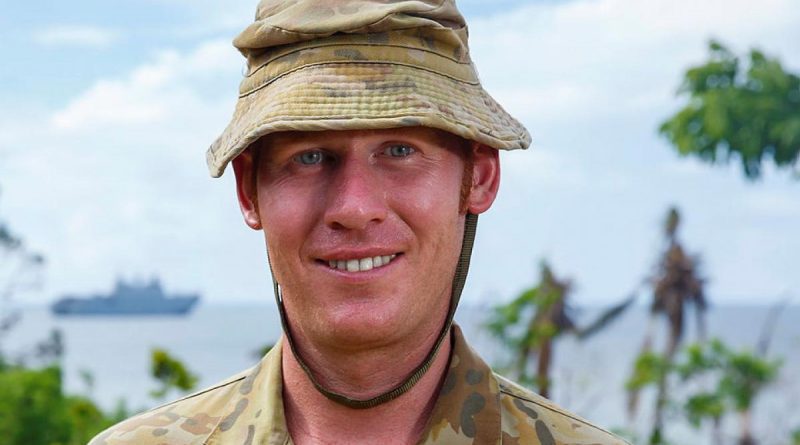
point(361, 264)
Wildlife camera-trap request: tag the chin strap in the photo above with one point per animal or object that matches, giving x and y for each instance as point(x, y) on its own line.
point(470, 226)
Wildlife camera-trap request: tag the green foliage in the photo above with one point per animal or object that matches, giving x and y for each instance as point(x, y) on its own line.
point(33, 407)
point(505, 322)
point(657, 437)
point(534, 316)
point(86, 419)
point(88, 379)
point(739, 376)
point(34, 410)
point(19, 271)
point(752, 114)
point(529, 325)
point(648, 369)
point(736, 377)
point(171, 373)
point(526, 324)
point(745, 375)
point(796, 437)
point(704, 405)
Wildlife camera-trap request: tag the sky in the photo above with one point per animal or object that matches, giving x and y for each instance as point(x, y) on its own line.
point(107, 108)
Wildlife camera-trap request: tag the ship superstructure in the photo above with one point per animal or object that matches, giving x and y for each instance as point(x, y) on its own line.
point(128, 299)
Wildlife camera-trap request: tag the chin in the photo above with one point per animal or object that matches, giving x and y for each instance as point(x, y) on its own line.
point(355, 329)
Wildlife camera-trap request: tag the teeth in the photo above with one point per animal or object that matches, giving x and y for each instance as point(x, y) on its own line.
point(362, 264)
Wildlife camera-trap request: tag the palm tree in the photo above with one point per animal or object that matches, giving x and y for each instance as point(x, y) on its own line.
point(530, 324)
point(676, 285)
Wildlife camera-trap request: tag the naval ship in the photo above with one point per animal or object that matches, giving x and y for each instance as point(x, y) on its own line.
point(128, 299)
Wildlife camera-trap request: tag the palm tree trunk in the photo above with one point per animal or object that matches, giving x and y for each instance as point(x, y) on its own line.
point(700, 316)
point(633, 395)
point(716, 431)
point(746, 428)
point(661, 398)
point(543, 369)
point(522, 363)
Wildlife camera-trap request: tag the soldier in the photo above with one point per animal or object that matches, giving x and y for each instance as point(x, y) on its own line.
point(364, 147)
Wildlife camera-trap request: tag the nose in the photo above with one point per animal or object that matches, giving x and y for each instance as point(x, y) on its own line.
point(357, 197)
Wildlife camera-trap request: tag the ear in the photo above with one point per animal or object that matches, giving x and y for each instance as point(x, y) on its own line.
point(485, 178)
point(246, 182)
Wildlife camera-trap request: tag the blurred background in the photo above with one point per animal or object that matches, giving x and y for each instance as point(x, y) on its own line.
point(640, 265)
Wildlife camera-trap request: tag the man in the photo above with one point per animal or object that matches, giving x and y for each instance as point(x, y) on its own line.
point(364, 147)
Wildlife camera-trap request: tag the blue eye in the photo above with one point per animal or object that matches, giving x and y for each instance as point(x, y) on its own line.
point(399, 151)
point(310, 157)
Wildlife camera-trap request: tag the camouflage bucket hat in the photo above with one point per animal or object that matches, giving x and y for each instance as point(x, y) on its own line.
point(360, 64)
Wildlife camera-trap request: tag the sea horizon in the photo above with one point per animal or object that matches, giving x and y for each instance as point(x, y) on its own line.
point(219, 340)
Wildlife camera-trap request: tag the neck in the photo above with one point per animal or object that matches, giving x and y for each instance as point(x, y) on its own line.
point(312, 418)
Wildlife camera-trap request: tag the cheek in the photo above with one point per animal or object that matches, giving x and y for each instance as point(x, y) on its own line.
point(437, 193)
point(430, 206)
point(287, 217)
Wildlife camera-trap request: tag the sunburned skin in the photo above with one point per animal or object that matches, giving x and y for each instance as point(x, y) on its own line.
point(364, 206)
point(336, 205)
point(364, 230)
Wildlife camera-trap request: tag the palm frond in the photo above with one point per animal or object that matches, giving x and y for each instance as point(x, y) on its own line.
point(608, 316)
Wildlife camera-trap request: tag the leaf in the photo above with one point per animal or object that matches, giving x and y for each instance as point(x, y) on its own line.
point(750, 114)
point(171, 373)
point(704, 405)
point(648, 369)
point(607, 317)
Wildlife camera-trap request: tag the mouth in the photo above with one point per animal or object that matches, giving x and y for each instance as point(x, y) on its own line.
point(360, 264)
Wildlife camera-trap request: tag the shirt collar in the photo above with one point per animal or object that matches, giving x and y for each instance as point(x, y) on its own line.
point(467, 408)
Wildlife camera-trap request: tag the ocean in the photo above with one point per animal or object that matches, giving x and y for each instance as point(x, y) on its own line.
point(216, 341)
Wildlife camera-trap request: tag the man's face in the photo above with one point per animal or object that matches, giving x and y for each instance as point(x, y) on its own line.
point(363, 228)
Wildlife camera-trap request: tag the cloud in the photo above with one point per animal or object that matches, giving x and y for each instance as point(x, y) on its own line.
point(592, 79)
point(153, 92)
point(113, 182)
point(76, 36)
point(559, 61)
point(126, 190)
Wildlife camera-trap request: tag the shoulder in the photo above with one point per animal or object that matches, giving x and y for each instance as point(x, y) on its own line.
point(527, 417)
point(188, 420)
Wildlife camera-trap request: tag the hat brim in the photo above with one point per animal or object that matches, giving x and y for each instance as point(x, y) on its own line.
point(362, 96)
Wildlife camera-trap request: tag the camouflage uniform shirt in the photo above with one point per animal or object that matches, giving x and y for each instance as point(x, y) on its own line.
point(474, 406)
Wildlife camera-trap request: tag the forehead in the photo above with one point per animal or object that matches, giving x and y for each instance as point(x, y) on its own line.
point(346, 138)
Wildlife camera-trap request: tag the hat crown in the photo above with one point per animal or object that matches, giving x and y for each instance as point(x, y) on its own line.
point(318, 65)
point(281, 22)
